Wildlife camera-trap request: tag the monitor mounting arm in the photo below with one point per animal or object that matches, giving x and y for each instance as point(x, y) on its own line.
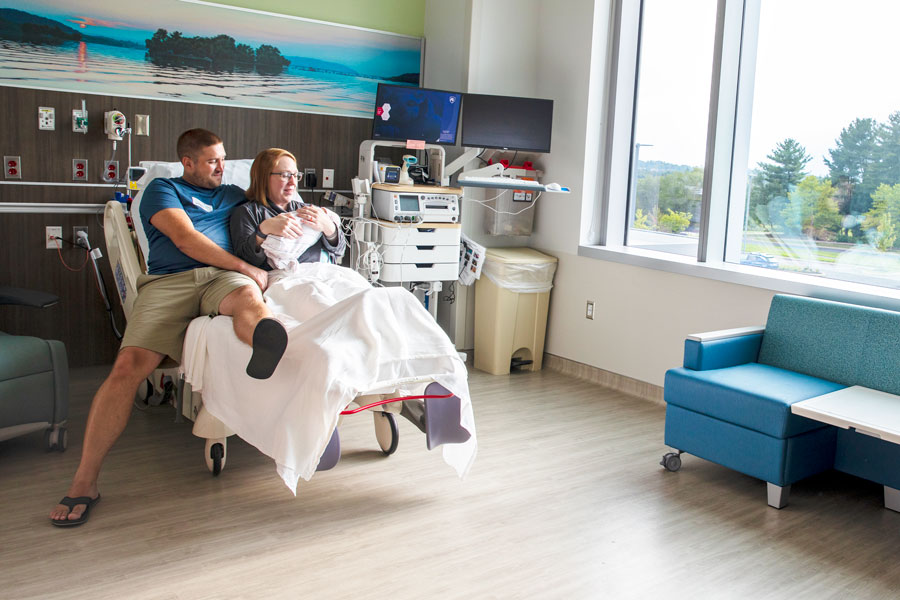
point(461, 161)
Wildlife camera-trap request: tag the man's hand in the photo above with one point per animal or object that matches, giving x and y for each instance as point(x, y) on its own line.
point(260, 276)
point(286, 225)
point(318, 219)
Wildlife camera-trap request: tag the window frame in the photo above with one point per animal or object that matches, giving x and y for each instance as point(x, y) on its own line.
point(725, 169)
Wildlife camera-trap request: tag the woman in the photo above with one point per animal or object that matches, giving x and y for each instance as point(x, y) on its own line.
point(276, 209)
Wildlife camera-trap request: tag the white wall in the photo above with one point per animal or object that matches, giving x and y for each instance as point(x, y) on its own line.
point(446, 44)
point(558, 50)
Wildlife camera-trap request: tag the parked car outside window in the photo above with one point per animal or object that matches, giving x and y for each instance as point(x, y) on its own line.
point(758, 259)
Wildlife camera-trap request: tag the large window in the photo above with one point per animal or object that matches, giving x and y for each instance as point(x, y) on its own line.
point(671, 116)
point(747, 133)
point(823, 173)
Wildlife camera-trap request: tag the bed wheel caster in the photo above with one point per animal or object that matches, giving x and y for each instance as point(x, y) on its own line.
point(215, 455)
point(671, 461)
point(56, 438)
point(386, 432)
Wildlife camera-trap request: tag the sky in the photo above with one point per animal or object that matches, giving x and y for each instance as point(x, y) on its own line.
point(820, 65)
point(136, 20)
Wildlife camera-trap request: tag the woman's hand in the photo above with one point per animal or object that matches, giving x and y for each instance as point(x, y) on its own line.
point(318, 219)
point(286, 225)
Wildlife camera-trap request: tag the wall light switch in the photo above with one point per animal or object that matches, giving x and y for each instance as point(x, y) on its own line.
point(141, 124)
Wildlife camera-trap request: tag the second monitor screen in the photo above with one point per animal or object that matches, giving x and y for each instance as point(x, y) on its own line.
point(506, 122)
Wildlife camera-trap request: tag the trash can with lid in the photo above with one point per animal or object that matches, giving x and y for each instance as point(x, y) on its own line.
point(511, 301)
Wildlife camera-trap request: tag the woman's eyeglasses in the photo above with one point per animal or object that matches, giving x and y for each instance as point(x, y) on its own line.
point(285, 175)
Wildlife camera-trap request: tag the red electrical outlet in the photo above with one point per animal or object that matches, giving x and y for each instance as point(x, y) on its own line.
point(79, 169)
point(12, 166)
point(110, 171)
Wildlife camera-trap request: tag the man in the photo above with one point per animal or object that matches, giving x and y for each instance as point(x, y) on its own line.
point(192, 272)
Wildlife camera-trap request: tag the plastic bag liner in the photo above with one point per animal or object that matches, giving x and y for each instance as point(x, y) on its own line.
point(523, 278)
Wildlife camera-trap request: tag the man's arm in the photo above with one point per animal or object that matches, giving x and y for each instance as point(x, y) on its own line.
point(244, 241)
point(177, 226)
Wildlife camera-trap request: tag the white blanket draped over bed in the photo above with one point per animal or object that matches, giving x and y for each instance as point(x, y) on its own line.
point(344, 338)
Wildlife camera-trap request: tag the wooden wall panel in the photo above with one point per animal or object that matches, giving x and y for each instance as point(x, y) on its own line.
point(80, 320)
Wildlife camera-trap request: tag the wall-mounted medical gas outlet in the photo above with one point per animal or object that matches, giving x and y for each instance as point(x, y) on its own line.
point(12, 166)
point(50, 234)
point(589, 310)
point(328, 178)
point(141, 124)
point(79, 169)
point(114, 124)
point(110, 171)
point(80, 119)
point(46, 118)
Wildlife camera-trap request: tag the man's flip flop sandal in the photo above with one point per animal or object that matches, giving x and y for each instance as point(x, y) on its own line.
point(72, 503)
point(269, 342)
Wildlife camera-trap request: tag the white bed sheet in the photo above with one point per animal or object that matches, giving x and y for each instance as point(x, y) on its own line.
point(344, 338)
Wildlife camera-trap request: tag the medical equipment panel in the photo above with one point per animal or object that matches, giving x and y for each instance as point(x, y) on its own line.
point(415, 204)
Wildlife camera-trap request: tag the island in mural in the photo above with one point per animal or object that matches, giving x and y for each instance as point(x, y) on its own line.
point(212, 54)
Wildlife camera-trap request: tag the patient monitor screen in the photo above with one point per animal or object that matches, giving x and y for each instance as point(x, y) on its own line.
point(409, 202)
point(408, 113)
point(506, 122)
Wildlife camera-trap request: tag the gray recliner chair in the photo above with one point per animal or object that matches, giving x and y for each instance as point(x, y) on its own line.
point(34, 378)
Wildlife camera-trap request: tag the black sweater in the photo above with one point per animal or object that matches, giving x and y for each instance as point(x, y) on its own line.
point(246, 218)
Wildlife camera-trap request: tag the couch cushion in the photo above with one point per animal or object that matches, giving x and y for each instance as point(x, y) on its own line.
point(22, 355)
point(845, 343)
point(753, 395)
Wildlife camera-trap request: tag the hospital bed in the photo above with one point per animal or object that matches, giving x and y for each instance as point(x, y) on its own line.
point(434, 410)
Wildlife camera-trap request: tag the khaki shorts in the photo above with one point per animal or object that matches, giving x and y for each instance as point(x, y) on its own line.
point(166, 304)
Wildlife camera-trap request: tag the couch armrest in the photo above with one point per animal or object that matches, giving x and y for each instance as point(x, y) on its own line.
point(722, 334)
point(723, 348)
point(23, 297)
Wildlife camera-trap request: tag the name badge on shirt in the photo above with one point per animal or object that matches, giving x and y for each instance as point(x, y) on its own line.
point(202, 205)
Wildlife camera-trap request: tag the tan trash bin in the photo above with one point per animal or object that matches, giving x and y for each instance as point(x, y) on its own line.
point(511, 301)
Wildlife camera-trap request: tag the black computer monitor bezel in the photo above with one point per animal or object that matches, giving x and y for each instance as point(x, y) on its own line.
point(412, 87)
point(466, 139)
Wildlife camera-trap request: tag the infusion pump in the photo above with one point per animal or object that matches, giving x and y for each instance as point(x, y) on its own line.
point(415, 204)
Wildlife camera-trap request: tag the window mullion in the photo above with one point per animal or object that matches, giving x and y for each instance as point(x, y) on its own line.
point(721, 131)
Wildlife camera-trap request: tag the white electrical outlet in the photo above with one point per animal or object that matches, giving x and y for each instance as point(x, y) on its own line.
point(50, 234)
point(46, 118)
point(328, 178)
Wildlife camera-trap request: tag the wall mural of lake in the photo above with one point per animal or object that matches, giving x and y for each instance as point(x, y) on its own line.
point(200, 52)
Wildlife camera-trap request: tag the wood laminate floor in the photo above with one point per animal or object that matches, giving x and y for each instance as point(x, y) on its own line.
point(565, 500)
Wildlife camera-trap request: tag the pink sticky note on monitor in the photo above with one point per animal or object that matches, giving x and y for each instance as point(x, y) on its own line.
point(415, 144)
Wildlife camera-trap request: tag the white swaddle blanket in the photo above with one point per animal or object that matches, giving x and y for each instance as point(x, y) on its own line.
point(344, 338)
point(282, 252)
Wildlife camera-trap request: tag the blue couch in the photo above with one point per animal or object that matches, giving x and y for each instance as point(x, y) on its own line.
point(731, 401)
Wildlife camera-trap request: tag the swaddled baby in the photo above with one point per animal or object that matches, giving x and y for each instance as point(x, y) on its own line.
point(282, 253)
